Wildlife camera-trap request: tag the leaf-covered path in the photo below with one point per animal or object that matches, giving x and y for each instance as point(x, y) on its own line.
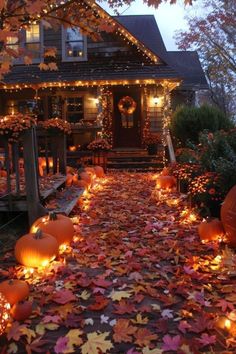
point(136, 280)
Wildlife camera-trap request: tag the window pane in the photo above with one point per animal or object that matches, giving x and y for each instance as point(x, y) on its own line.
point(73, 34)
point(34, 49)
point(74, 49)
point(32, 34)
point(12, 43)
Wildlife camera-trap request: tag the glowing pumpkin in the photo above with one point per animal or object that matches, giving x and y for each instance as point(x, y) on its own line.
point(211, 230)
point(4, 313)
point(165, 182)
point(228, 216)
point(14, 290)
point(36, 249)
point(57, 225)
point(90, 171)
point(99, 171)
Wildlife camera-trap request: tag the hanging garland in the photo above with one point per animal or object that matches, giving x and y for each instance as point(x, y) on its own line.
point(106, 114)
point(146, 125)
point(127, 105)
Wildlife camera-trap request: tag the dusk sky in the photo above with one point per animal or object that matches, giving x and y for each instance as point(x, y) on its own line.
point(169, 17)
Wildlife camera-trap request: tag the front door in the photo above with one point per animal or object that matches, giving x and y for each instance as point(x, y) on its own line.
point(127, 118)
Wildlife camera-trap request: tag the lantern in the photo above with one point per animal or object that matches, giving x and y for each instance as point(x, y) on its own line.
point(210, 230)
point(36, 249)
point(228, 216)
point(4, 313)
point(57, 225)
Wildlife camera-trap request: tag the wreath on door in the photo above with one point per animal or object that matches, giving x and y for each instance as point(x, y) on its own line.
point(127, 105)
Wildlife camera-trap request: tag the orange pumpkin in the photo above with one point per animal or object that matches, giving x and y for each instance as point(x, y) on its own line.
point(90, 171)
point(165, 182)
point(3, 173)
point(14, 290)
point(85, 176)
point(57, 225)
point(81, 183)
point(21, 310)
point(210, 230)
point(36, 249)
point(228, 216)
point(165, 171)
point(99, 171)
point(69, 179)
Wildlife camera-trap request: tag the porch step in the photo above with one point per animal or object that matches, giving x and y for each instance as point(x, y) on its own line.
point(134, 160)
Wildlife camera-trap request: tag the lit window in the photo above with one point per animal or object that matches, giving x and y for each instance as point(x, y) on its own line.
point(13, 43)
point(33, 41)
point(73, 45)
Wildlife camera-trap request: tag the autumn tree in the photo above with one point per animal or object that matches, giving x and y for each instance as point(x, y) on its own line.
point(16, 15)
point(213, 35)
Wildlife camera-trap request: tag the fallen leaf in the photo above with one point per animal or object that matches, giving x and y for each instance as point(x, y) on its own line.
point(96, 343)
point(123, 331)
point(144, 336)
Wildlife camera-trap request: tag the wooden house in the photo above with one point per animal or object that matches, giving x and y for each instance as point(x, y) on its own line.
point(123, 84)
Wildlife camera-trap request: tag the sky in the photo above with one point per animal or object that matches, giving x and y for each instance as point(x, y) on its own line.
point(169, 17)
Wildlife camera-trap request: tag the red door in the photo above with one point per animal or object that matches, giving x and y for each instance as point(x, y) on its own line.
point(127, 121)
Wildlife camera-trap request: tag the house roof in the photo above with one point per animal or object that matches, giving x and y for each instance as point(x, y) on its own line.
point(185, 63)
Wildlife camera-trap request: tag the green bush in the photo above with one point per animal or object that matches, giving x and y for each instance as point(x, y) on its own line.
point(188, 122)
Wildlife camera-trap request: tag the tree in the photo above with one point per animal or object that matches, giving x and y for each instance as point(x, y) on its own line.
point(213, 35)
point(16, 15)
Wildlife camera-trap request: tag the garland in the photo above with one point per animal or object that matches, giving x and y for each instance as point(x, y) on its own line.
point(146, 125)
point(99, 145)
point(106, 115)
point(127, 105)
point(12, 126)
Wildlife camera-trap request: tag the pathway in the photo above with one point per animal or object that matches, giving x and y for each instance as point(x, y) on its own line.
point(136, 280)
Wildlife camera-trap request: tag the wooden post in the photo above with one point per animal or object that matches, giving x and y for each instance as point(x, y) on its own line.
point(7, 163)
point(61, 152)
point(35, 209)
point(15, 150)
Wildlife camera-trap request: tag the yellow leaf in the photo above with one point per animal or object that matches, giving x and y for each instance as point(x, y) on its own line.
point(41, 328)
point(96, 343)
point(118, 295)
point(51, 326)
point(74, 339)
point(84, 295)
point(140, 320)
point(29, 333)
point(146, 350)
point(12, 348)
point(156, 307)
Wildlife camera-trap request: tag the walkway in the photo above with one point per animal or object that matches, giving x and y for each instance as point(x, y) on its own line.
point(136, 280)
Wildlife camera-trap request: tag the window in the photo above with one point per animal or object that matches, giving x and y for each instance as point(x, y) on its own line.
point(33, 41)
point(74, 45)
point(13, 43)
point(75, 111)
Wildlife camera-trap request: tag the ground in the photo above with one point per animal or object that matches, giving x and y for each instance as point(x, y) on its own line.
point(136, 279)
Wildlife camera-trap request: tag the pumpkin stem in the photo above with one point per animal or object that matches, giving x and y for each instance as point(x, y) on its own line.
point(38, 234)
point(52, 216)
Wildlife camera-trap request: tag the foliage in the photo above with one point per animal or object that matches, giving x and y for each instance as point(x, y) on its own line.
point(12, 126)
point(151, 139)
point(56, 123)
point(99, 144)
point(186, 155)
point(188, 122)
point(212, 34)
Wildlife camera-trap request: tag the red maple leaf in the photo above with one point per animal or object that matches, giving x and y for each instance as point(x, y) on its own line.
point(171, 343)
point(206, 339)
point(100, 303)
point(225, 305)
point(63, 296)
point(124, 307)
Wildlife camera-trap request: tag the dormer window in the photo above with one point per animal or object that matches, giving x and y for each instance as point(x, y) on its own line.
point(74, 45)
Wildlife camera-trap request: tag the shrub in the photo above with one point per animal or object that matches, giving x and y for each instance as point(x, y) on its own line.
point(188, 122)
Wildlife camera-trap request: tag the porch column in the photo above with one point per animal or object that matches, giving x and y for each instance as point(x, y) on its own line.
point(106, 114)
point(166, 122)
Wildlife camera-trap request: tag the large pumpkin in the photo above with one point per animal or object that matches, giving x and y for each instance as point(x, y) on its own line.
point(21, 310)
point(228, 216)
point(36, 249)
point(211, 230)
point(57, 225)
point(14, 290)
point(165, 182)
point(99, 171)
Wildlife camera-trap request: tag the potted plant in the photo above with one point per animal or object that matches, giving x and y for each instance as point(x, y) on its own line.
point(151, 143)
point(100, 148)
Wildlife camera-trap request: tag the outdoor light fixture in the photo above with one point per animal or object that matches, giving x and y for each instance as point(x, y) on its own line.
point(155, 100)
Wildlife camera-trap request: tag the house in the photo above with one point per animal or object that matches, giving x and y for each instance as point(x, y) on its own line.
point(123, 83)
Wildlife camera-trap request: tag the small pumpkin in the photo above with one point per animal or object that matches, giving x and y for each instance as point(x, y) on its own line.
point(36, 249)
point(210, 230)
point(14, 290)
point(228, 216)
point(81, 183)
point(90, 171)
point(85, 176)
point(21, 310)
point(57, 225)
point(99, 171)
point(69, 179)
point(165, 182)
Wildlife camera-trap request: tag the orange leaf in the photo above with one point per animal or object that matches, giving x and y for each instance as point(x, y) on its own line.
point(144, 337)
point(123, 331)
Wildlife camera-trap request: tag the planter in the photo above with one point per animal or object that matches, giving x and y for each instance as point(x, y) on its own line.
point(100, 159)
point(182, 186)
point(152, 149)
